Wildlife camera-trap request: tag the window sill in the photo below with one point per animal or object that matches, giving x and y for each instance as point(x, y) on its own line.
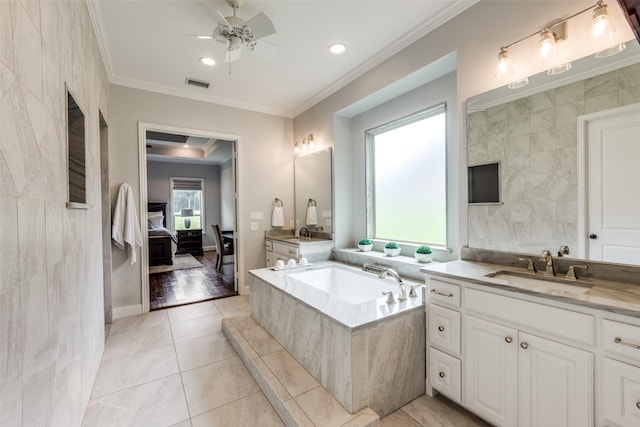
point(78, 205)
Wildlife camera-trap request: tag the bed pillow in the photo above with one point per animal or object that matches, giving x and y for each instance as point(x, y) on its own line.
point(156, 220)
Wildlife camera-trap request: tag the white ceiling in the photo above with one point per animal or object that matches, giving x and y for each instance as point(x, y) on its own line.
point(146, 44)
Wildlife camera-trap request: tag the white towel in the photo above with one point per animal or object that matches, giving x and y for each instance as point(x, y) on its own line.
point(125, 229)
point(277, 218)
point(312, 216)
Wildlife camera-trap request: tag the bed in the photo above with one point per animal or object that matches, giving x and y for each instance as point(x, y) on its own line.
point(160, 238)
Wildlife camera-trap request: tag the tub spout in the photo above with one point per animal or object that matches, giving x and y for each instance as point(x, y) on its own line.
point(402, 295)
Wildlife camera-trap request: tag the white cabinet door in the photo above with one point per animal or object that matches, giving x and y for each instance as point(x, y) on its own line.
point(555, 384)
point(621, 393)
point(491, 370)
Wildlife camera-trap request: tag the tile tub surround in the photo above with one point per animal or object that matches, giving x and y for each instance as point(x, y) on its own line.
point(379, 364)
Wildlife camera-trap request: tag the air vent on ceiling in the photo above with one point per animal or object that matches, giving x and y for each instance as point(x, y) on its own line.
point(199, 83)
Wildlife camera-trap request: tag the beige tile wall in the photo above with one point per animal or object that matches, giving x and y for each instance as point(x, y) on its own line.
point(51, 309)
point(535, 139)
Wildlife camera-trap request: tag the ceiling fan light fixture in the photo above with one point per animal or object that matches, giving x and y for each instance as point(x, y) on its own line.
point(207, 61)
point(337, 48)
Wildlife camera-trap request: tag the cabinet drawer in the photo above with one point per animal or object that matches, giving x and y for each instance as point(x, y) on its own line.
point(621, 339)
point(533, 317)
point(445, 374)
point(444, 293)
point(268, 245)
point(444, 329)
point(621, 392)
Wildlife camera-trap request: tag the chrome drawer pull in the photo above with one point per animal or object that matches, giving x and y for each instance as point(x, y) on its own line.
point(618, 340)
point(508, 339)
point(442, 293)
point(524, 345)
point(441, 374)
point(441, 328)
point(638, 405)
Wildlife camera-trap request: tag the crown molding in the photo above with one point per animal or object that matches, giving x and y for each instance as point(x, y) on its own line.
point(435, 21)
point(95, 13)
point(166, 90)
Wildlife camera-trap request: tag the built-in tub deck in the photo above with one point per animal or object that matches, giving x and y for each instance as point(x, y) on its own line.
point(365, 352)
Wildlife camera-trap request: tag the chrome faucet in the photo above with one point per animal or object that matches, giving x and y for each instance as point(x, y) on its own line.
point(304, 232)
point(402, 295)
point(546, 256)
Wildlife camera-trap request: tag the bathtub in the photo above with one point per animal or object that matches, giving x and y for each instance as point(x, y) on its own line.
point(349, 296)
point(334, 320)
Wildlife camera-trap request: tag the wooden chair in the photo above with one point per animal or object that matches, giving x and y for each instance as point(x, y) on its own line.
point(221, 248)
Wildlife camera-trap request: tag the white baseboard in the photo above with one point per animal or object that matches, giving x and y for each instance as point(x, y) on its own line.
point(208, 248)
point(126, 311)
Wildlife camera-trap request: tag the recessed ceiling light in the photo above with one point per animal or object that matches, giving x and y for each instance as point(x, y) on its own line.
point(207, 61)
point(205, 37)
point(337, 48)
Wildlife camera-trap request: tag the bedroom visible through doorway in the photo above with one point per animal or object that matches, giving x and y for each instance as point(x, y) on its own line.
point(190, 189)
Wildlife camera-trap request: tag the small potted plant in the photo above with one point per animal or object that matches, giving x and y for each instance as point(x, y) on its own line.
point(423, 254)
point(365, 245)
point(392, 249)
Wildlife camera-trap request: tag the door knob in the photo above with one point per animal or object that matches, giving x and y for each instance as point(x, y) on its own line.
point(441, 374)
point(524, 345)
point(441, 328)
point(593, 236)
point(508, 339)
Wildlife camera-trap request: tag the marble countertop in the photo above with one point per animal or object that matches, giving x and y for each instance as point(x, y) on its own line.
point(605, 295)
point(349, 314)
point(299, 239)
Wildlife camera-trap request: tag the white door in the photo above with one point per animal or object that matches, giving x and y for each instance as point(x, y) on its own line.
point(491, 371)
point(613, 185)
point(555, 384)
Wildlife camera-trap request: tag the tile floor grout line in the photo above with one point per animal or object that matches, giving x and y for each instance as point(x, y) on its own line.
point(175, 351)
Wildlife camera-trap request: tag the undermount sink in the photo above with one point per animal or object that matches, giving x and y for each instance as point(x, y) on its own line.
point(531, 280)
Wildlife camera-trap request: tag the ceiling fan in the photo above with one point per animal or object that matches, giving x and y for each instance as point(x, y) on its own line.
point(234, 31)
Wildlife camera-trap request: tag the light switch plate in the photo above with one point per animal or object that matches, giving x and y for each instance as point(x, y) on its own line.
point(253, 226)
point(257, 215)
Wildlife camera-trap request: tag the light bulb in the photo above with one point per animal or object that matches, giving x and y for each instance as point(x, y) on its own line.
point(546, 47)
point(504, 67)
point(296, 149)
point(601, 25)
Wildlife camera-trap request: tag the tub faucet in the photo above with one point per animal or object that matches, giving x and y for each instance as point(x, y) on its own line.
point(546, 256)
point(402, 295)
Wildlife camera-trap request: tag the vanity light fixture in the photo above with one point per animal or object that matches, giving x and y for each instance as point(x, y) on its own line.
point(304, 144)
point(548, 38)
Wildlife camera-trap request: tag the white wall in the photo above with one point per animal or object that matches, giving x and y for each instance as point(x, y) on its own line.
point(159, 176)
point(475, 36)
point(265, 167)
point(51, 293)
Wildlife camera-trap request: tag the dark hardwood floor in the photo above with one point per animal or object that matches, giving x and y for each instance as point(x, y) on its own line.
point(191, 285)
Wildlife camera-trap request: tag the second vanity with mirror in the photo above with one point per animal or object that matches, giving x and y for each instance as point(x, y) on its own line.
point(312, 237)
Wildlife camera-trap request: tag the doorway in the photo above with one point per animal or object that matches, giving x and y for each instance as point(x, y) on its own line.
point(611, 226)
point(188, 184)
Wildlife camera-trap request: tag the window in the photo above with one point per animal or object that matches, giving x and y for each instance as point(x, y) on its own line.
point(187, 202)
point(406, 179)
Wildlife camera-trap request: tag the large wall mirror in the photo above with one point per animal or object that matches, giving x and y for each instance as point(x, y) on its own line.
point(313, 196)
point(541, 135)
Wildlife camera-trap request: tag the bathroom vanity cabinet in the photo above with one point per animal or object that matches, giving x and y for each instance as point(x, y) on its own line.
point(296, 248)
point(516, 359)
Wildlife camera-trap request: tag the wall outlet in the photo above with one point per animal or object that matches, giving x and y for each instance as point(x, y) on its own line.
point(253, 226)
point(257, 215)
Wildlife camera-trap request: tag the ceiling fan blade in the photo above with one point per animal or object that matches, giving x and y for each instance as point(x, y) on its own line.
point(261, 26)
point(215, 14)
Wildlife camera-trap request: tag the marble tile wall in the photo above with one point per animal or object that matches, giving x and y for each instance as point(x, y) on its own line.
point(534, 138)
point(51, 309)
point(379, 365)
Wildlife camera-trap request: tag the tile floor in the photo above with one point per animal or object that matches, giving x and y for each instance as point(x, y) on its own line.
point(175, 368)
